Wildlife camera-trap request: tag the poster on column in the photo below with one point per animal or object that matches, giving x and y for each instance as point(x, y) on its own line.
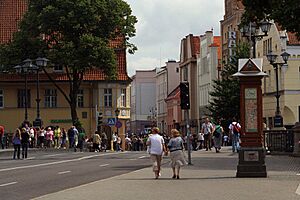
point(251, 109)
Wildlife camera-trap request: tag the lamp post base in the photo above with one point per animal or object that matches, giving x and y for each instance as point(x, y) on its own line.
point(278, 120)
point(251, 162)
point(37, 122)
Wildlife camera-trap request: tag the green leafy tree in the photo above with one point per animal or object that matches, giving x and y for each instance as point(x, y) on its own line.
point(74, 34)
point(225, 96)
point(284, 12)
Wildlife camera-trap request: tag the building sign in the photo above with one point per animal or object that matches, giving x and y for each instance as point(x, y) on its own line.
point(251, 109)
point(231, 42)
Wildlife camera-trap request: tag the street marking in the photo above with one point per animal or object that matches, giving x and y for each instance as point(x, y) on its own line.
point(298, 190)
point(52, 155)
point(298, 174)
point(65, 172)
point(103, 165)
point(30, 158)
point(133, 159)
point(6, 184)
point(142, 157)
point(57, 162)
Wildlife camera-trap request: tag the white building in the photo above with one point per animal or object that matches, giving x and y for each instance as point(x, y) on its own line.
point(143, 100)
point(167, 79)
point(208, 66)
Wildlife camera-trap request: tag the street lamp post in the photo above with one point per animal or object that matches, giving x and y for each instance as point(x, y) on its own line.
point(24, 69)
point(117, 112)
point(40, 62)
point(278, 120)
point(252, 32)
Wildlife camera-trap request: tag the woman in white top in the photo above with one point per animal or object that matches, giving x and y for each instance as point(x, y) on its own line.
point(156, 149)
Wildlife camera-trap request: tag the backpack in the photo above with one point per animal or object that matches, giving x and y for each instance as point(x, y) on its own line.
point(235, 128)
point(217, 131)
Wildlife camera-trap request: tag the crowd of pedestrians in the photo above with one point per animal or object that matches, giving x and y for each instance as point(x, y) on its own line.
point(27, 136)
point(213, 135)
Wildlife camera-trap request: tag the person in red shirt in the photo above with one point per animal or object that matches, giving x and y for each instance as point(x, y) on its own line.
point(1, 136)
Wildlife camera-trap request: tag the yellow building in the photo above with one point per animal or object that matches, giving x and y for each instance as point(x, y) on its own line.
point(279, 41)
point(96, 94)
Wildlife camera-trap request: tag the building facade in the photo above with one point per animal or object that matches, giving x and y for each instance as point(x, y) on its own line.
point(174, 117)
point(143, 101)
point(279, 41)
point(208, 66)
point(230, 34)
point(189, 50)
point(167, 79)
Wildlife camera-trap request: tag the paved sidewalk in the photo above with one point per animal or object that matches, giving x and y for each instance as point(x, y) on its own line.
point(211, 177)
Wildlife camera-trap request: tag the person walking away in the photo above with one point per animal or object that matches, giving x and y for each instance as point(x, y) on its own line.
point(114, 139)
point(81, 139)
point(103, 141)
point(32, 133)
point(57, 134)
point(156, 147)
point(127, 143)
point(42, 137)
point(207, 129)
point(71, 135)
point(2, 136)
point(217, 135)
point(63, 138)
point(225, 139)
point(176, 148)
point(200, 141)
point(49, 137)
point(24, 142)
point(96, 142)
point(235, 128)
point(17, 143)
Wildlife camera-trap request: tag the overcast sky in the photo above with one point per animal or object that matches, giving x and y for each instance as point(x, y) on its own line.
point(163, 23)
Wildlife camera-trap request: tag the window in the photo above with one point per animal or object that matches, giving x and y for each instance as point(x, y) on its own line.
point(1, 99)
point(108, 97)
point(185, 74)
point(84, 115)
point(177, 69)
point(80, 103)
point(21, 98)
point(267, 46)
point(58, 68)
point(50, 98)
point(123, 97)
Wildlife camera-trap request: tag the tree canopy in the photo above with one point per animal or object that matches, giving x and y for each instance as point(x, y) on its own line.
point(225, 96)
point(284, 12)
point(74, 34)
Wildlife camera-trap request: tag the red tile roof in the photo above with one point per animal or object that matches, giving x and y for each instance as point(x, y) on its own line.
point(217, 43)
point(91, 75)
point(292, 39)
point(11, 13)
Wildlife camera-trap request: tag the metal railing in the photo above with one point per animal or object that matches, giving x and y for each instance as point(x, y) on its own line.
point(279, 140)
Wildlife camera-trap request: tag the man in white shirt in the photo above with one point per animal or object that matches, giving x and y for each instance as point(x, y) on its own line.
point(207, 129)
point(156, 149)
